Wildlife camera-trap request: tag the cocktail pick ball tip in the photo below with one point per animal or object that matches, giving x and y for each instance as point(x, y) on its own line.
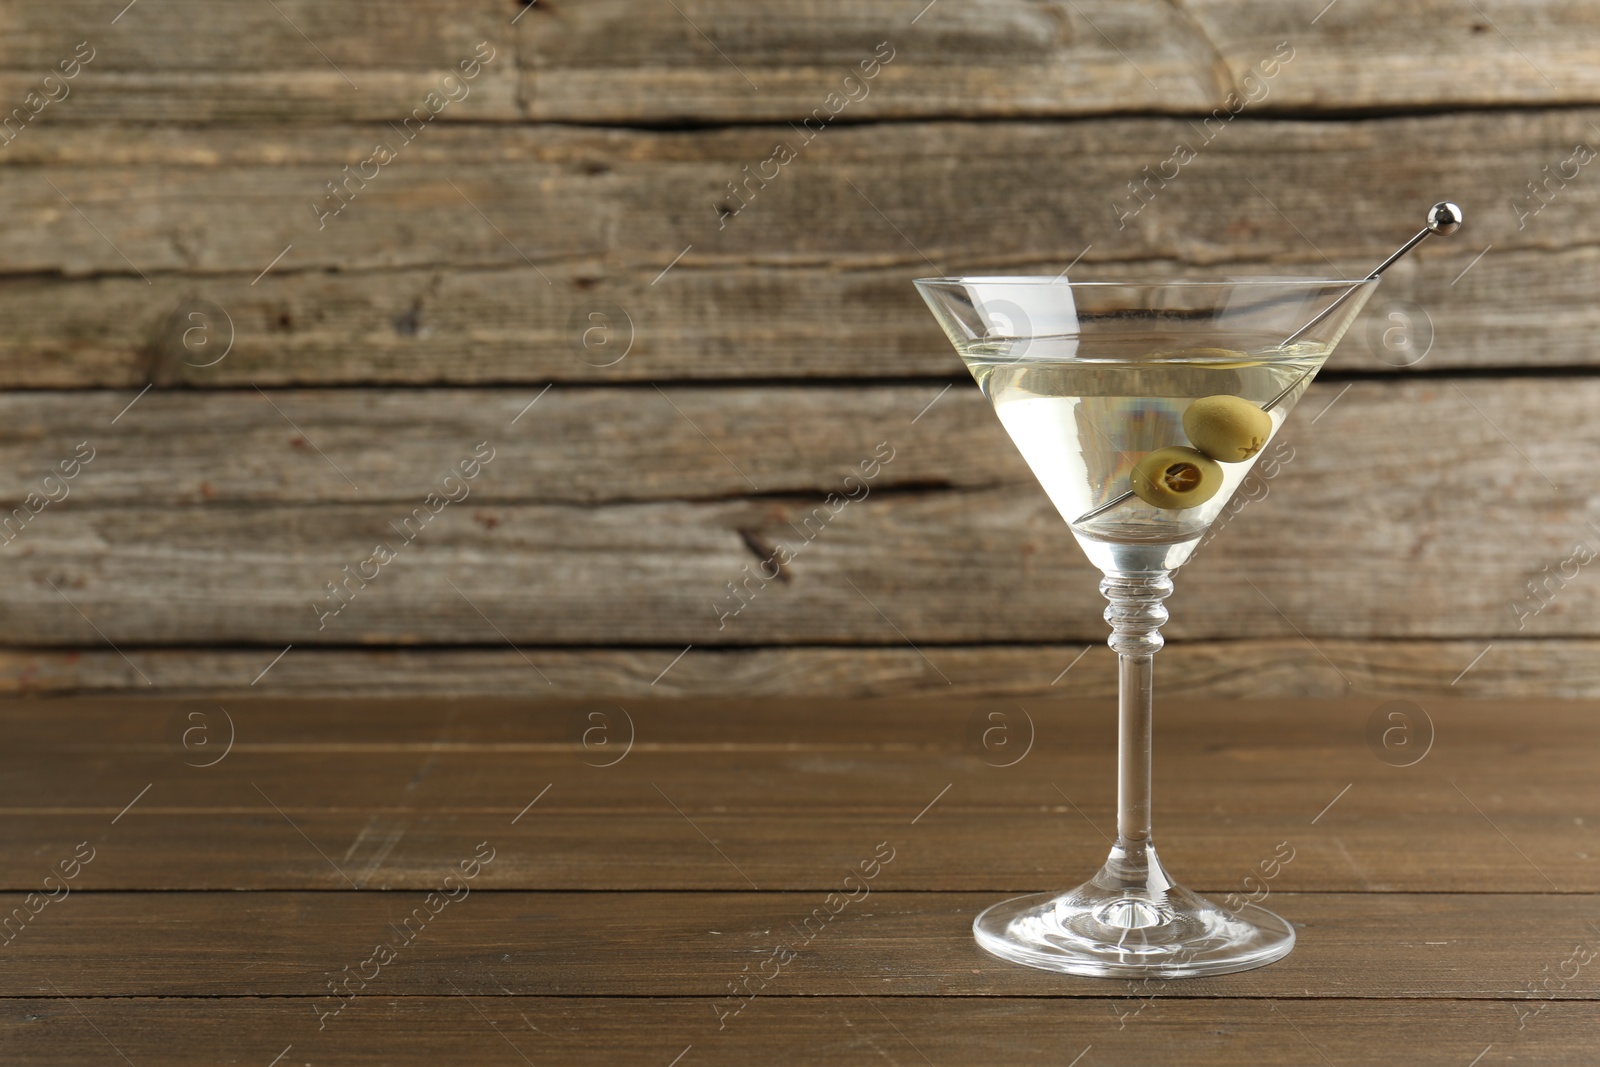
point(1444, 218)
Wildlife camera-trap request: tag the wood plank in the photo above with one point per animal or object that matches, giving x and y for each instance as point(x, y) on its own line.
point(712, 443)
point(428, 722)
point(828, 768)
point(623, 62)
point(296, 794)
point(409, 284)
point(1350, 946)
point(582, 446)
point(157, 847)
point(1130, 1026)
point(1395, 554)
point(229, 200)
point(1418, 56)
point(1262, 667)
point(1515, 309)
point(1002, 57)
point(610, 60)
point(192, 61)
point(430, 771)
point(561, 974)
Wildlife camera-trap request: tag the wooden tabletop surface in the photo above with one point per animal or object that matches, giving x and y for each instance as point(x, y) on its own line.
point(495, 882)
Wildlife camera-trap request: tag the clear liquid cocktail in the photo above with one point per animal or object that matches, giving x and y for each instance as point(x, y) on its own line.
point(1141, 408)
point(1084, 415)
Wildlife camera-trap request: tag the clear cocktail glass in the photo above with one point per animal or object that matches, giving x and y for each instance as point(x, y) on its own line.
point(1140, 407)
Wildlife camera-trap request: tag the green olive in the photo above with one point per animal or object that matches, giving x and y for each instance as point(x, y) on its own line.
point(1227, 428)
point(1176, 477)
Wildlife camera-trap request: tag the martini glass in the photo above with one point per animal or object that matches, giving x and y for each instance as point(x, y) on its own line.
point(1095, 383)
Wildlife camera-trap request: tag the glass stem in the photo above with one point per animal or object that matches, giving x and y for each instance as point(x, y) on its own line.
point(1136, 613)
point(1134, 721)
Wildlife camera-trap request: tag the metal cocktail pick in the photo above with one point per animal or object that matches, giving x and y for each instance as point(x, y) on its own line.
point(1444, 219)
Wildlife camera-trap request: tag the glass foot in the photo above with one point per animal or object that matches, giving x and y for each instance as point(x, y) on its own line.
point(1117, 926)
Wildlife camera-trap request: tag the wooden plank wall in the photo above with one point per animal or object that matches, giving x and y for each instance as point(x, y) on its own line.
point(270, 387)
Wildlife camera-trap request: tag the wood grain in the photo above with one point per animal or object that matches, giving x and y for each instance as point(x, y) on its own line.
point(547, 575)
point(1004, 57)
point(1264, 667)
point(1439, 938)
point(997, 854)
point(229, 200)
point(433, 774)
point(574, 222)
point(692, 944)
point(623, 62)
point(601, 322)
point(1406, 544)
point(825, 763)
point(590, 795)
point(1373, 847)
point(1128, 1026)
point(593, 446)
point(291, 61)
point(580, 445)
point(410, 283)
point(135, 724)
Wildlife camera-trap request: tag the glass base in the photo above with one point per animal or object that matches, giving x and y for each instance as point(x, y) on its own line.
point(1131, 921)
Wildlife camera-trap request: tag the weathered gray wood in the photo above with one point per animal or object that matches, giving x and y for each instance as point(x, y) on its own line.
point(583, 445)
point(1514, 309)
point(627, 62)
point(192, 61)
point(1413, 509)
point(1003, 197)
point(1416, 55)
point(1132, 1025)
point(616, 61)
point(589, 445)
point(1263, 667)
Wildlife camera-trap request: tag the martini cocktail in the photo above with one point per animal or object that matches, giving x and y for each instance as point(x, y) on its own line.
point(1140, 408)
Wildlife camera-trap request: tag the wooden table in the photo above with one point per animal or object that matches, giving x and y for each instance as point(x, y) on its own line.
point(604, 877)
